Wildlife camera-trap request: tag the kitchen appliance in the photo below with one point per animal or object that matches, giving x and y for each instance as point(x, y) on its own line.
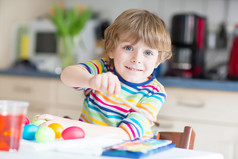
point(233, 62)
point(38, 44)
point(188, 40)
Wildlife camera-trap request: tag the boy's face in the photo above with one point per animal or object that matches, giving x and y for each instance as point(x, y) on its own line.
point(134, 62)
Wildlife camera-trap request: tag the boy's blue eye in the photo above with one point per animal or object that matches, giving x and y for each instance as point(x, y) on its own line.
point(129, 48)
point(148, 53)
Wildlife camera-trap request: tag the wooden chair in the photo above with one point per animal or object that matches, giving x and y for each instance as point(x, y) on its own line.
point(180, 139)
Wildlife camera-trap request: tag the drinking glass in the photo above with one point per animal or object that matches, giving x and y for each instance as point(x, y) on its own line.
point(12, 115)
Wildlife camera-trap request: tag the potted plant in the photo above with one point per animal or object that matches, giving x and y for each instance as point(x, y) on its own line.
point(69, 22)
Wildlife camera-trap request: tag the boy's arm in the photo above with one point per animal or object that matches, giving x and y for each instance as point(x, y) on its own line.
point(75, 76)
point(136, 124)
point(91, 130)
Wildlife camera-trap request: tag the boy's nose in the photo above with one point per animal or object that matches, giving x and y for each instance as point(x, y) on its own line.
point(136, 58)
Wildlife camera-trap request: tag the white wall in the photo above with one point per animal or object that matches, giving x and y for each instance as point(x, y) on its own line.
point(14, 12)
point(214, 10)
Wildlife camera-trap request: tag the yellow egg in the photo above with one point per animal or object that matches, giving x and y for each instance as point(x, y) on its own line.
point(58, 129)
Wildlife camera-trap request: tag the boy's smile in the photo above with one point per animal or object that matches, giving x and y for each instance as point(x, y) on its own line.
point(133, 69)
point(134, 62)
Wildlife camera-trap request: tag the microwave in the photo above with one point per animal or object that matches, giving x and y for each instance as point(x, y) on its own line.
point(38, 43)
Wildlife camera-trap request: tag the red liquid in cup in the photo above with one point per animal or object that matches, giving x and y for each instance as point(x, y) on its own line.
point(10, 132)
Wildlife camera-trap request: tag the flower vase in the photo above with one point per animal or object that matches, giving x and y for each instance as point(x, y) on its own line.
point(66, 50)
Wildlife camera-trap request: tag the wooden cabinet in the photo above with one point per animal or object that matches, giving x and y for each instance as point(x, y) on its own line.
point(67, 100)
point(45, 95)
point(212, 114)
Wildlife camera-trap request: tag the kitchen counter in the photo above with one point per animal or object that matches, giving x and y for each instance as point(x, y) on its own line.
point(29, 73)
point(199, 83)
point(166, 81)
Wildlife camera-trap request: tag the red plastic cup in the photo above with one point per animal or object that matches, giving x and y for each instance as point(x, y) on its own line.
point(12, 116)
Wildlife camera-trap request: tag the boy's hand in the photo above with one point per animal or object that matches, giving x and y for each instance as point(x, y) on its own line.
point(53, 119)
point(106, 82)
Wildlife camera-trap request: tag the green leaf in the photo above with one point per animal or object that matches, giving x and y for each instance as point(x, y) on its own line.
point(73, 17)
point(69, 22)
point(81, 21)
point(59, 22)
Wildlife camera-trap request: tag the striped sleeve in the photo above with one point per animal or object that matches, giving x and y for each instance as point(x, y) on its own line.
point(93, 67)
point(137, 125)
point(152, 104)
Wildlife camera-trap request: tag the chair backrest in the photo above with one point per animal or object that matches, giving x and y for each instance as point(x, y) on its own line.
point(180, 139)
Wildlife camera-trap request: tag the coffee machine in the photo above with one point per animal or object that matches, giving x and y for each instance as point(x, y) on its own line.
point(188, 40)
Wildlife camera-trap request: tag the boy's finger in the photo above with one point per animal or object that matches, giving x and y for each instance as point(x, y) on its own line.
point(117, 89)
point(111, 86)
point(46, 123)
point(45, 117)
point(97, 82)
point(104, 82)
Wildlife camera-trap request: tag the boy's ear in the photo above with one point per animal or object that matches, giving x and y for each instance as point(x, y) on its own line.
point(158, 62)
point(110, 54)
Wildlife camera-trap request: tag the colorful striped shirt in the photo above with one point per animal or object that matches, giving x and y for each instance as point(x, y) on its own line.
point(101, 109)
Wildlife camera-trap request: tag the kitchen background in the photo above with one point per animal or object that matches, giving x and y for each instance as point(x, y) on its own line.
point(208, 105)
point(14, 13)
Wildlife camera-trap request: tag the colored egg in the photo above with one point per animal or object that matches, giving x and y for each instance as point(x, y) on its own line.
point(37, 122)
point(58, 129)
point(45, 134)
point(29, 131)
point(73, 132)
point(26, 121)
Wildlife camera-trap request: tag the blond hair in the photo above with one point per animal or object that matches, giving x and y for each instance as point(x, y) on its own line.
point(136, 25)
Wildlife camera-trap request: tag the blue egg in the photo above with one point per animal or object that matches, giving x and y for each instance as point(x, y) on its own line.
point(29, 132)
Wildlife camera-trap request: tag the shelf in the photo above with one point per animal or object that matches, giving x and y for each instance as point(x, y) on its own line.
point(166, 81)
